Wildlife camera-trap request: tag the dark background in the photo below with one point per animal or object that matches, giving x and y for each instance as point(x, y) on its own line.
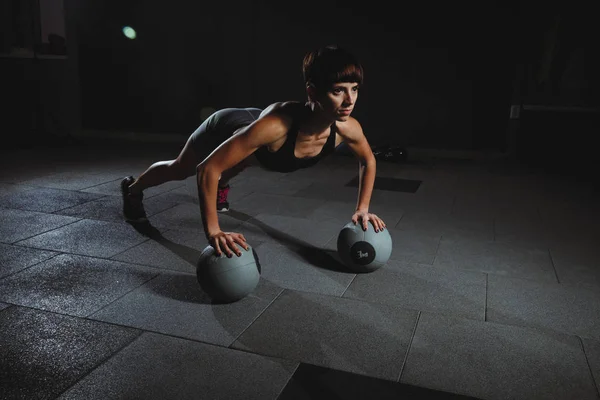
point(439, 75)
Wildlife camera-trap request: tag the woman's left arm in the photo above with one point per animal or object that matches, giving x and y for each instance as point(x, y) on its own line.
point(352, 134)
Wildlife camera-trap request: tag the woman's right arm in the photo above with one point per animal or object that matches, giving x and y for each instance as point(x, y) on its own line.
point(262, 132)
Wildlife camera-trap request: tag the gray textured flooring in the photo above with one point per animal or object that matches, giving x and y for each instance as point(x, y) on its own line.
point(492, 289)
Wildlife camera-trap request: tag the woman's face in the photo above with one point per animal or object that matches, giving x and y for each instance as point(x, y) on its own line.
point(339, 100)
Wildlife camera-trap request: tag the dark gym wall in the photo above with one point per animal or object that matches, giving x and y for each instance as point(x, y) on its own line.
point(436, 76)
point(557, 83)
point(38, 89)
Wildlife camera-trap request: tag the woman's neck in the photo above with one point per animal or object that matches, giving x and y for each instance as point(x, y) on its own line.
point(314, 120)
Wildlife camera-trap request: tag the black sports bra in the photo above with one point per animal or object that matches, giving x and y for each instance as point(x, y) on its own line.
point(284, 159)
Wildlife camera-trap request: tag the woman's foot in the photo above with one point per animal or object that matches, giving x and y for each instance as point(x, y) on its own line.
point(222, 204)
point(133, 208)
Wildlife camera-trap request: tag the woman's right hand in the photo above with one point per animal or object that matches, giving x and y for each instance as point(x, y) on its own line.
point(226, 242)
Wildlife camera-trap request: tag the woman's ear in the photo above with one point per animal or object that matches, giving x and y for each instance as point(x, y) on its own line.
point(313, 97)
point(311, 92)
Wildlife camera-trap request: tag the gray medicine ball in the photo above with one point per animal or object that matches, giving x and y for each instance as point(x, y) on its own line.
point(227, 280)
point(363, 251)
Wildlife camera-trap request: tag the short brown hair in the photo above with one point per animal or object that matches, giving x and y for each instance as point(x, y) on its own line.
point(331, 64)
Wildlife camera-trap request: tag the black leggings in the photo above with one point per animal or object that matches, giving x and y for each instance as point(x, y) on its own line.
point(219, 127)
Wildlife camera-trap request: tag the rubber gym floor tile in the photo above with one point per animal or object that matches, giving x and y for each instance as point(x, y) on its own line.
point(3, 306)
point(182, 216)
point(321, 191)
point(471, 220)
point(274, 185)
point(42, 354)
point(16, 258)
point(46, 200)
point(577, 270)
point(307, 269)
point(188, 193)
point(312, 382)
point(73, 285)
point(257, 203)
point(424, 288)
point(391, 184)
point(494, 361)
point(446, 224)
point(194, 371)
point(592, 352)
point(88, 238)
point(576, 247)
point(174, 304)
point(530, 238)
point(407, 246)
point(288, 231)
point(69, 180)
point(18, 174)
point(176, 250)
point(349, 335)
point(510, 260)
point(556, 307)
point(341, 213)
point(428, 174)
point(11, 188)
point(518, 222)
point(110, 208)
point(114, 187)
point(415, 202)
point(187, 216)
point(332, 174)
point(180, 195)
point(19, 224)
point(416, 247)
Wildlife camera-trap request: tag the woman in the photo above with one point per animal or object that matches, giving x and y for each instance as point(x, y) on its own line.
point(283, 137)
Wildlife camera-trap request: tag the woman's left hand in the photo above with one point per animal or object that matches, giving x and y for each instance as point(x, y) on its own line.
point(364, 217)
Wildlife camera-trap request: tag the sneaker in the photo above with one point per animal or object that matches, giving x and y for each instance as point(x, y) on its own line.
point(222, 204)
point(133, 208)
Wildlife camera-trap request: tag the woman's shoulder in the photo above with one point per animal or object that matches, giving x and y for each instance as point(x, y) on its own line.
point(276, 119)
point(285, 109)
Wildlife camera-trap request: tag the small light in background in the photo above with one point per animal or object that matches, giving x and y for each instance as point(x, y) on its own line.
point(129, 32)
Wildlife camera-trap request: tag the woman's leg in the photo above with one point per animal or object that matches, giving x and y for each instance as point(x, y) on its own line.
point(160, 172)
point(132, 189)
point(200, 144)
